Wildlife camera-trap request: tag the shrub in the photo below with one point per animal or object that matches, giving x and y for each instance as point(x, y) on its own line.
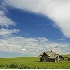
point(12, 65)
point(22, 66)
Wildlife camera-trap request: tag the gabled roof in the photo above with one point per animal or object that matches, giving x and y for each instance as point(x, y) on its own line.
point(50, 54)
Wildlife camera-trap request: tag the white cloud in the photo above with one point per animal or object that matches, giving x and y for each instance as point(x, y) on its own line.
point(2, 7)
point(57, 10)
point(23, 49)
point(33, 46)
point(8, 31)
point(4, 20)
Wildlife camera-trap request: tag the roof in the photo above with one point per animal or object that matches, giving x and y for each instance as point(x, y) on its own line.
point(50, 54)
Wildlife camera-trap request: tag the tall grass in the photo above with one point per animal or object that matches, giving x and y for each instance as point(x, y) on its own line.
point(31, 63)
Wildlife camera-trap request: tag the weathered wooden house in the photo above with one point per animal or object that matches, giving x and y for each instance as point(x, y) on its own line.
point(50, 56)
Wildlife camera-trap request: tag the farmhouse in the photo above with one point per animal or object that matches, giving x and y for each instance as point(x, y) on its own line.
point(50, 56)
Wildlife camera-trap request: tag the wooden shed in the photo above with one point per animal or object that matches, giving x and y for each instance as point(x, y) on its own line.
point(50, 56)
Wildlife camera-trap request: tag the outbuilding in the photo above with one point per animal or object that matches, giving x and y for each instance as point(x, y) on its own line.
point(50, 56)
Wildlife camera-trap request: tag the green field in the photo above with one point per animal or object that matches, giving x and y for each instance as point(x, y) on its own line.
point(31, 63)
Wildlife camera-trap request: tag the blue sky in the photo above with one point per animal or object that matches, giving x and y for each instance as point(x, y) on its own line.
point(27, 29)
point(34, 25)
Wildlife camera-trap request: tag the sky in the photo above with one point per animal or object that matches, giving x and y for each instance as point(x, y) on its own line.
point(30, 27)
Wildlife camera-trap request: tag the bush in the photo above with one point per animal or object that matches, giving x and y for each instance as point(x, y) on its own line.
point(1, 65)
point(12, 65)
point(22, 66)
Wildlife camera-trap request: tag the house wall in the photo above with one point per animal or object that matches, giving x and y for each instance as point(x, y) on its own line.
point(60, 59)
point(44, 59)
point(51, 60)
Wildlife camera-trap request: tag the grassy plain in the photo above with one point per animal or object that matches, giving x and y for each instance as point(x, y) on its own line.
point(31, 63)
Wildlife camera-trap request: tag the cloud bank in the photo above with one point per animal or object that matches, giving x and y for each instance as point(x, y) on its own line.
point(32, 46)
point(56, 10)
point(8, 31)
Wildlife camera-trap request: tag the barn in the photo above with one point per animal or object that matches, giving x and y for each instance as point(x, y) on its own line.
point(50, 56)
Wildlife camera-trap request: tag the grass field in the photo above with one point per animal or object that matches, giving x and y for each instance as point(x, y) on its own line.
point(31, 63)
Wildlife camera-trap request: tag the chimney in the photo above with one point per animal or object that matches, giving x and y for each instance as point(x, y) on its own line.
point(51, 50)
